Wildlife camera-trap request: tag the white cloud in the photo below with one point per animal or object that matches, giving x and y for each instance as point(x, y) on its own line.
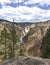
point(22, 13)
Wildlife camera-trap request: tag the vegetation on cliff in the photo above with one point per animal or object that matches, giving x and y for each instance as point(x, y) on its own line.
point(8, 43)
point(46, 45)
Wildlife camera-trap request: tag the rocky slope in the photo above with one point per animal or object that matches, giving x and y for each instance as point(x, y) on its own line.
point(26, 61)
point(30, 35)
point(33, 38)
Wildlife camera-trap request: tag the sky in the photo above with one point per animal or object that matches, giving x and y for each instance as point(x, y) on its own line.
point(25, 10)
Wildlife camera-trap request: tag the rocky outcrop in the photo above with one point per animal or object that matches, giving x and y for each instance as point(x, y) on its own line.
point(26, 61)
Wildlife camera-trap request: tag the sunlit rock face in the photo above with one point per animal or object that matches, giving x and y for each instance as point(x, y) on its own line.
point(33, 38)
point(30, 35)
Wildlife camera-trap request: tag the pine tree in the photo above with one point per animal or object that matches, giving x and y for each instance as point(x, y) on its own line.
point(10, 51)
point(46, 45)
point(4, 34)
point(8, 40)
point(14, 38)
point(5, 40)
point(21, 52)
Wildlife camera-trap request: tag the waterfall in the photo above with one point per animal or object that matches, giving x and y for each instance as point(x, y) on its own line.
point(26, 29)
point(24, 32)
point(21, 39)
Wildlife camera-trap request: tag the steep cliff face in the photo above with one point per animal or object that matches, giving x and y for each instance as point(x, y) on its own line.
point(30, 35)
point(33, 39)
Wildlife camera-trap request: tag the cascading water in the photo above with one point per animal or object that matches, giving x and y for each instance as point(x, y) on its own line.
point(21, 40)
point(24, 32)
point(21, 37)
point(26, 29)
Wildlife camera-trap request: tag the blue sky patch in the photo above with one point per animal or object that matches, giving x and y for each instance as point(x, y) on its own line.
point(0, 5)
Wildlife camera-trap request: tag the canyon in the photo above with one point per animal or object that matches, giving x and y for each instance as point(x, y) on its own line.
point(30, 35)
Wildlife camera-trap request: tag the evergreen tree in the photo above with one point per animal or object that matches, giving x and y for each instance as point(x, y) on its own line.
point(46, 45)
point(14, 38)
point(8, 40)
point(21, 52)
point(5, 39)
point(4, 34)
point(10, 51)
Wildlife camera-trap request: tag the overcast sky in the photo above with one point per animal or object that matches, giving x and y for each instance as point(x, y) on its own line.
point(25, 10)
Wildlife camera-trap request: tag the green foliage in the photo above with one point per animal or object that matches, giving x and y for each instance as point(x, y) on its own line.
point(14, 39)
point(46, 45)
point(10, 51)
point(8, 42)
point(4, 40)
point(21, 53)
